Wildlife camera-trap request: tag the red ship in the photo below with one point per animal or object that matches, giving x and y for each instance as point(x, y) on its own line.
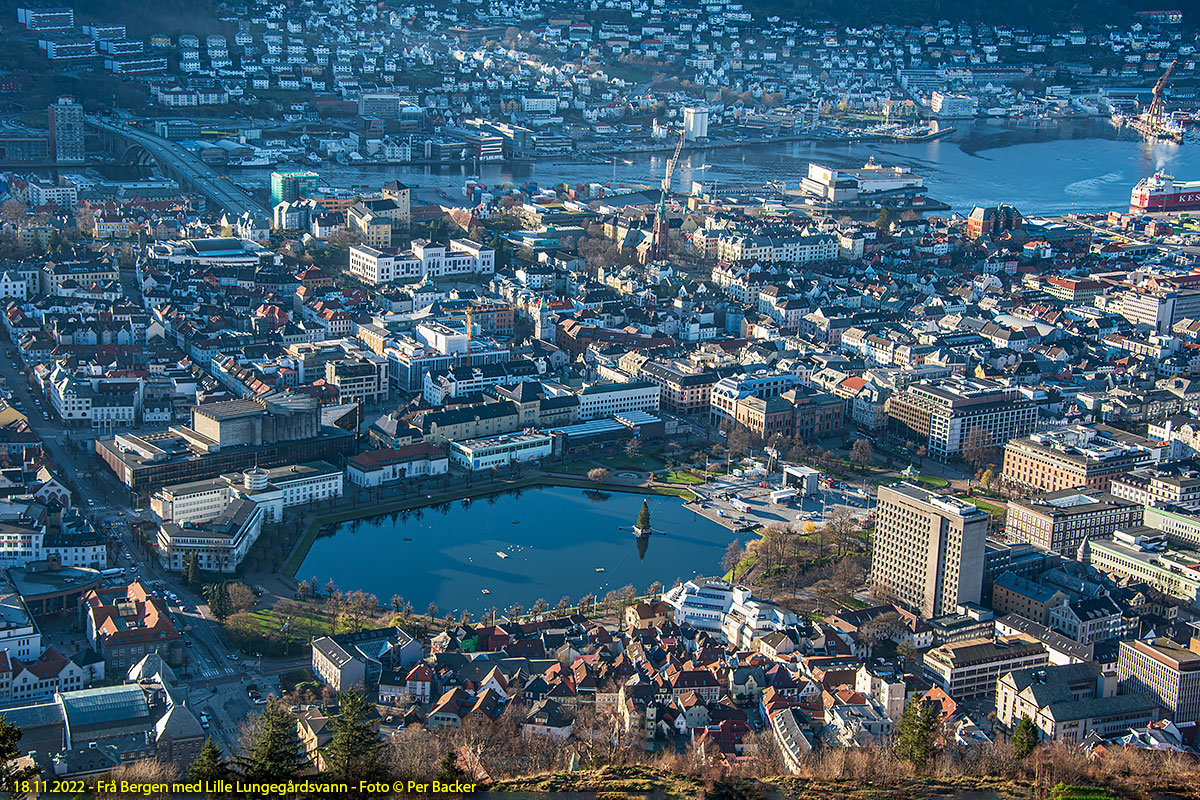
point(1161, 192)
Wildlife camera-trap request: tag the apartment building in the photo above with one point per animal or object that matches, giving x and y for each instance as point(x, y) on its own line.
point(1159, 309)
point(359, 659)
point(929, 549)
point(727, 392)
point(1087, 621)
point(359, 379)
point(941, 414)
point(969, 670)
point(1012, 594)
point(1068, 457)
point(1168, 672)
point(681, 390)
point(1060, 521)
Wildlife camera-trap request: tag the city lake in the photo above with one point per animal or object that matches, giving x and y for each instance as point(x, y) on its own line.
point(556, 540)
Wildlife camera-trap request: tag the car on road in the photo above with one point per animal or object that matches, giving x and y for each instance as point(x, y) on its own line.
point(188, 643)
point(204, 720)
point(232, 656)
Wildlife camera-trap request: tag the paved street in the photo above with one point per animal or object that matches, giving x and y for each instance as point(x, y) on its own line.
point(217, 683)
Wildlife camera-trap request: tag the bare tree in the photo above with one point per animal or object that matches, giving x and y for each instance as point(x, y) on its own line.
point(861, 453)
point(241, 598)
point(978, 449)
point(733, 555)
point(842, 528)
point(599, 475)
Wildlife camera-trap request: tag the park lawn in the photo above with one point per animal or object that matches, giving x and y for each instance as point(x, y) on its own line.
point(995, 509)
point(742, 567)
point(270, 621)
point(675, 491)
point(928, 481)
point(681, 476)
point(636, 463)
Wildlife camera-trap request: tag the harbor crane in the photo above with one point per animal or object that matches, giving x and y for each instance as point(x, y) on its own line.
point(1152, 123)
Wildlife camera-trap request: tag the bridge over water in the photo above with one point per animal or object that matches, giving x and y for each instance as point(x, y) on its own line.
point(137, 145)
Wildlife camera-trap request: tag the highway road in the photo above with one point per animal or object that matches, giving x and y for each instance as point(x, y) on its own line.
point(187, 168)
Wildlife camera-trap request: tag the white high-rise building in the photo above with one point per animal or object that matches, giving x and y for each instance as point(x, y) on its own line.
point(695, 124)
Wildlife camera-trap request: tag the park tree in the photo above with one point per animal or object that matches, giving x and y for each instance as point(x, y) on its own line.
point(1024, 739)
point(916, 733)
point(599, 475)
point(841, 528)
point(13, 211)
point(733, 555)
point(209, 764)
point(861, 453)
point(191, 569)
point(241, 597)
point(978, 449)
point(217, 596)
point(354, 751)
point(270, 747)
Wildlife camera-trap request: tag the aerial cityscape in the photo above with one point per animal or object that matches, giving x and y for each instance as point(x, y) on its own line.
point(639, 398)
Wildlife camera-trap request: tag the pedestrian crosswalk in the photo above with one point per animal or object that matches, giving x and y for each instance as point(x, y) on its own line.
point(208, 672)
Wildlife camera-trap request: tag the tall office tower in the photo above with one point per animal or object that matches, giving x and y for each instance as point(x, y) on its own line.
point(929, 549)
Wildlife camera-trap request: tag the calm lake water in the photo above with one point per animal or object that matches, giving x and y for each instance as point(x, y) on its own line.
point(555, 539)
point(1042, 169)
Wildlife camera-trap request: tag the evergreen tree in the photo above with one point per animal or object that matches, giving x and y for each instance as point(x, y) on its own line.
point(643, 518)
point(884, 221)
point(218, 599)
point(355, 751)
point(209, 764)
point(10, 773)
point(448, 770)
point(271, 748)
point(916, 733)
point(1024, 739)
point(191, 569)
